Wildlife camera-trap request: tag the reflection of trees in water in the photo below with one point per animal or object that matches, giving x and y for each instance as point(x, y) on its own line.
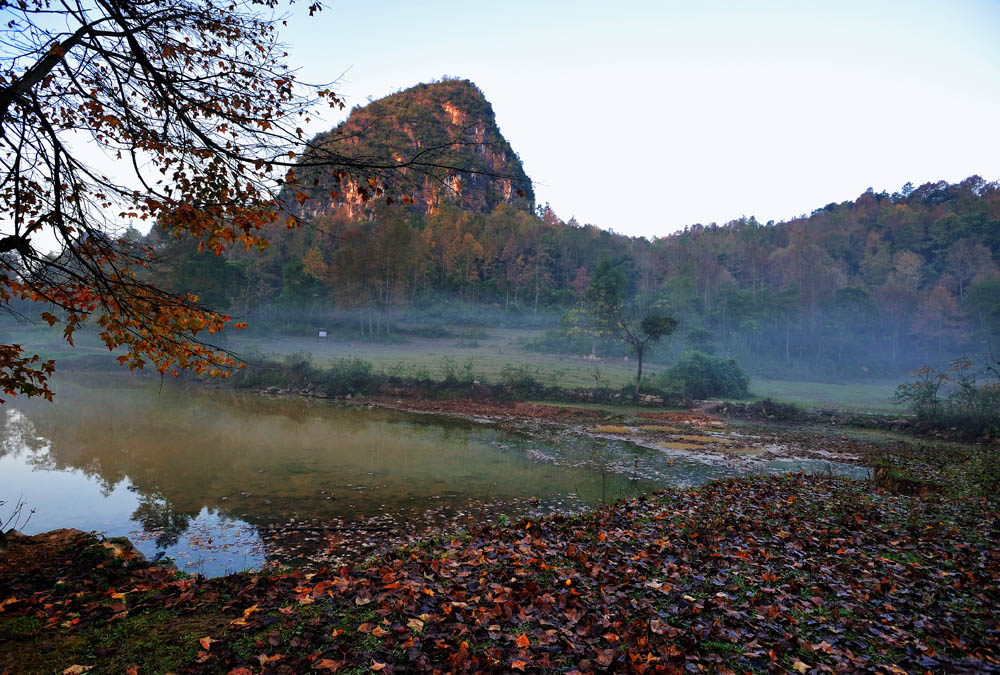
point(259, 460)
point(18, 434)
point(156, 514)
point(183, 450)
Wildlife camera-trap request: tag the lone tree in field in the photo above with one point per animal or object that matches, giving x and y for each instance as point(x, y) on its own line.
point(611, 316)
point(194, 106)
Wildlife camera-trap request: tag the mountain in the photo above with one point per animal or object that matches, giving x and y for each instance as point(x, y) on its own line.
point(444, 135)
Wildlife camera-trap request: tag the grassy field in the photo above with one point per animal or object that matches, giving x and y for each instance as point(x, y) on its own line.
point(872, 396)
point(500, 347)
point(503, 346)
point(431, 357)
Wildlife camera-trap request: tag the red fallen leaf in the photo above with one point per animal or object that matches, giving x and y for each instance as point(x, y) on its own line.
point(605, 657)
point(522, 641)
point(206, 643)
point(378, 631)
point(132, 670)
point(376, 665)
point(328, 664)
point(241, 671)
point(518, 665)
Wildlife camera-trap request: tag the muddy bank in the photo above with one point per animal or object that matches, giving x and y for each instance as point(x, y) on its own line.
point(701, 433)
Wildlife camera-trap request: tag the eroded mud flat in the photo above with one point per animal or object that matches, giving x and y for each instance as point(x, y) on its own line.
point(222, 481)
point(693, 435)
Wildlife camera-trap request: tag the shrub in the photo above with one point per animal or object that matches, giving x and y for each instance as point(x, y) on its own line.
point(519, 377)
point(705, 376)
point(922, 395)
point(972, 402)
point(348, 376)
point(452, 371)
point(293, 370)
point(407, 371)
point(663, 385)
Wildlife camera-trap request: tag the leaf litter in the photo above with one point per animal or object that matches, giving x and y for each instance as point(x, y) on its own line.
point(790, 573)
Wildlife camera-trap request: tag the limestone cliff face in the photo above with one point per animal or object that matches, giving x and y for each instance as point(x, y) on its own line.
point(446, 138)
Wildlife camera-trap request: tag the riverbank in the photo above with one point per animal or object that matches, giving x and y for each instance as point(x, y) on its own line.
point(791, 573)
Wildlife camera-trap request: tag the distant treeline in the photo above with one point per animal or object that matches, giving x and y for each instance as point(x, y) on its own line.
point(878, 284)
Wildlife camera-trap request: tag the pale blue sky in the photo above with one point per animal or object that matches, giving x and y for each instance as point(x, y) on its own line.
point(644, 117)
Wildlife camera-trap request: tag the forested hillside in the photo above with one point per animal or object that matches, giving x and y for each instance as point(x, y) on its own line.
point(874, 285)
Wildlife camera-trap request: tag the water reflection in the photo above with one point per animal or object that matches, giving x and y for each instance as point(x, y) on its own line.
point(199, 471)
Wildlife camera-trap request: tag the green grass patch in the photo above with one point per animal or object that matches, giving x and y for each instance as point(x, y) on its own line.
point(874, 396)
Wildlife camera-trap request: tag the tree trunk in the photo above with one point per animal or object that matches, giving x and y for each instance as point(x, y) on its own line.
point(536, 290)
point(638, 376)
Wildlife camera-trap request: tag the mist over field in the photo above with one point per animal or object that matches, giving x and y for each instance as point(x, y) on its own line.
point(863, 291)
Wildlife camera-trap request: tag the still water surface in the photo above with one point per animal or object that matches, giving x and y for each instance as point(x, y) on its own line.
point(207, 476)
